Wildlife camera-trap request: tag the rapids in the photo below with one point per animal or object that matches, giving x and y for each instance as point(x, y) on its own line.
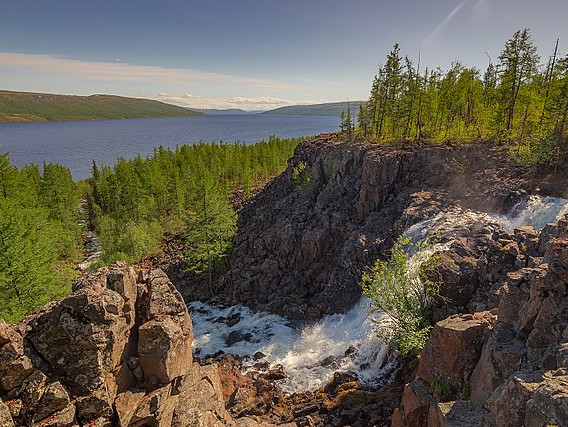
point(341, 342)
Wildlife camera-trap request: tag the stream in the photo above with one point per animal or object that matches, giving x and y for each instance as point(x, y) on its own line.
point(338, 343)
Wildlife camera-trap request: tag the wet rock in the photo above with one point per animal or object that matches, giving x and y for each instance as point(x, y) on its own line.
point(258, 355)
point(233, 319)
point(274, 375)
point(237, 336)
point(305, 410)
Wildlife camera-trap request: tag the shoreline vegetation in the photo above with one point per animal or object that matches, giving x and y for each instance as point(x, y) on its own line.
point(24, 107)
point(132, 206)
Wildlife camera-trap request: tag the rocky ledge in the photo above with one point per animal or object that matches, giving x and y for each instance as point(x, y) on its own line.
point(117, 352)
point(507, 366)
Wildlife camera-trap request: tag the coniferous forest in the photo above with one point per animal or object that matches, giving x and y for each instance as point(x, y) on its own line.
point(520, 101)
point(131, 206)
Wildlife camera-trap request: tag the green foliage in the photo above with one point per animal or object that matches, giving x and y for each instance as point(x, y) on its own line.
point(212, 226)
point(534, 152)
point(514, 100)
point(402, 289)
point(442, 390)
point(303, 179)
point(136, 201)
point(33, 107)
point(38, 231)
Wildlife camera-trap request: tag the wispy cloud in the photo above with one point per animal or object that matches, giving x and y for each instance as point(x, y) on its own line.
point(479, 6)
point(119, 71)
point(446, 21)
point(245, 103)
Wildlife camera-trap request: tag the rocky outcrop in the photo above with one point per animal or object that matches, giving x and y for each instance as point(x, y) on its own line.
point(507, 367)
point(304, 241)
point(115, 352)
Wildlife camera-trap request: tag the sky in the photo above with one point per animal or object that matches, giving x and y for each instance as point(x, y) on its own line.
point(252, 54)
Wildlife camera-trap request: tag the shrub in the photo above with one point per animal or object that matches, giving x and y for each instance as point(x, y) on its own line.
point(402, 289)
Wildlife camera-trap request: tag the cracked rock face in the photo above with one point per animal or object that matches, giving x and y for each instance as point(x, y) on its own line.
point(301, 250)
point(116, 350)
point(512, 367)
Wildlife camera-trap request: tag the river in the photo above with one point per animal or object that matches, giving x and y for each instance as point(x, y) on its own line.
point(77, 144)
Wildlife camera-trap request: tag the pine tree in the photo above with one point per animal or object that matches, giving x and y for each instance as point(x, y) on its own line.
point(518, 63)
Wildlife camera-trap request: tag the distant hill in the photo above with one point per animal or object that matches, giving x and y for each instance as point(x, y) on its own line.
point(216, 111)
point(328, 109)
point(40, 107)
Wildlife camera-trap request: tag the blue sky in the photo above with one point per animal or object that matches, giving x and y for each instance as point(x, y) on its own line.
point(252, 54)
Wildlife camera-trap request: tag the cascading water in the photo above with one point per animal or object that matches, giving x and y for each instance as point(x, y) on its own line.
point(309, 357)
point(341, 342)
point(536, 211)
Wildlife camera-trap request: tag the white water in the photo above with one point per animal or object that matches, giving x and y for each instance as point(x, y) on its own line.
point(536, 211)
point(301, 352)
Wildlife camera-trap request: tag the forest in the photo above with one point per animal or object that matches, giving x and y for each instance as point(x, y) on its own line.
point(39, 236)
point(131, 205)
point(518, 100)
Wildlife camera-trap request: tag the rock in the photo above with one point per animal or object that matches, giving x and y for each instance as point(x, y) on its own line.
point(453, 349)
point(237, 336)
point(164, 341)
point(301, 253)
point(155, 409)
point(125, 406)
point(508, 401)
point(84, 359)
point(15, 366)
point(549, 403)
point(164, 350)
point(5, 416)
point(258, 355)
point(414, 406)
point(54, 399)
point(63, 418)
point(274, 375)
point(89, 322)
point(200, 400)
point(458, 414)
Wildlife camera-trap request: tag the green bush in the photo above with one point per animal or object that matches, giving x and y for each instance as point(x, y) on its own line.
point(303, 179)
point(402, 289)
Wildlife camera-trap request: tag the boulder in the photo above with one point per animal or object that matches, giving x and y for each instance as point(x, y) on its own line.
point(117, 350)
point(414, 406)
point(548, 404)
point(453, 349)
point(458, 414)
point(164, 340)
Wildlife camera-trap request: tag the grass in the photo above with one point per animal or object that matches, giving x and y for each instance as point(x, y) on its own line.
point(40, 107)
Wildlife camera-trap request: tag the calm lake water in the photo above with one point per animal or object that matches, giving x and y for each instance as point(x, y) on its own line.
point(77, 144)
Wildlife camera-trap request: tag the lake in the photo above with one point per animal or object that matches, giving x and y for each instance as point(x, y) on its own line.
point(77, 144)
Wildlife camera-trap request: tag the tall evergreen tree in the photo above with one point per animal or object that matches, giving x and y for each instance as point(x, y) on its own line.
point(518, 64)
